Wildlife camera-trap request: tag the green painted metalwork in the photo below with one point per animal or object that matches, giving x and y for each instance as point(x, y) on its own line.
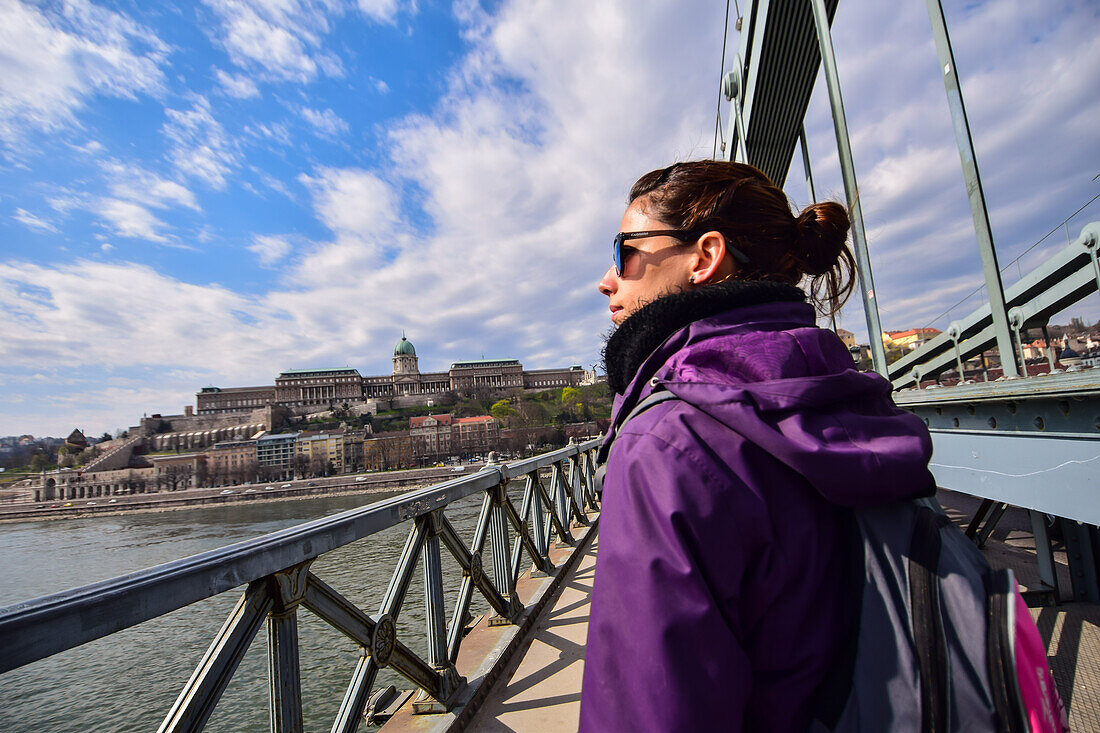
point(851, 186)
point(1062, 279)
point(963, 139)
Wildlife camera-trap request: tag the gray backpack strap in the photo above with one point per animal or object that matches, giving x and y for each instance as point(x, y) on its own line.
point(653, 398)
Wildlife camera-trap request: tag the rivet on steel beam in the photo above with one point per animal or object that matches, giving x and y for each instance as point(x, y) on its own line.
point(731, 87)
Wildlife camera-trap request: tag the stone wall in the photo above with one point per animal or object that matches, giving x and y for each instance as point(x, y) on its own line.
point(196, 423)
point(68, 485)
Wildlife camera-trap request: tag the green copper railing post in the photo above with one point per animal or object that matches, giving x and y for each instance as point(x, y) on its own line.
point(851, 186)
point(978, 211)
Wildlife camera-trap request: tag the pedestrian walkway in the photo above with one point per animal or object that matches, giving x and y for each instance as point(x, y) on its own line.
point(540, 687)
point(1071, 631)
point(541, 690)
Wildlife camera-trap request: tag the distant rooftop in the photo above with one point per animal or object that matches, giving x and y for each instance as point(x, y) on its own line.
point(209, 390)
point(482, 362)
point(334, 370)
point(277, 436)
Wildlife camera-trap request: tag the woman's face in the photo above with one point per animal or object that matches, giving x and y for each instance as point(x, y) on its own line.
point(652, 267)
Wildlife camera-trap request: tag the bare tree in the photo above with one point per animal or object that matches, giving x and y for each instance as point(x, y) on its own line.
point(300, 465)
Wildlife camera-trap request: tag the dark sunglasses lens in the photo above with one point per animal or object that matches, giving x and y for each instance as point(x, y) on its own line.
point(617, 255)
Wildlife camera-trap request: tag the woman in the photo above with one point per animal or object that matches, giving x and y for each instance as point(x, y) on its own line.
point(721, 593)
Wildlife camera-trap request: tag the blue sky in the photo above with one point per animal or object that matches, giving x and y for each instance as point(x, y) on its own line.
point(212, 192)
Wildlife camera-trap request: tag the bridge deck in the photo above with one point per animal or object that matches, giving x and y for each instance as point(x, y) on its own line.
point(1071, 631)
point(539, 689)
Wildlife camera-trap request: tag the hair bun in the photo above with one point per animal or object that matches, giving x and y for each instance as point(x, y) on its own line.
point(822, 232)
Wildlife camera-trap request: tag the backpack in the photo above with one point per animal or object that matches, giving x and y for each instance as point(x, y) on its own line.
point(943, 642)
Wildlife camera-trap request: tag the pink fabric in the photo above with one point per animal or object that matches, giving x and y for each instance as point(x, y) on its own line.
point(1043, 705)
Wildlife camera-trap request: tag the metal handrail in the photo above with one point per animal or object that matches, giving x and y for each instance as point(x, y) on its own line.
point(1064, 278)
point(275, 568)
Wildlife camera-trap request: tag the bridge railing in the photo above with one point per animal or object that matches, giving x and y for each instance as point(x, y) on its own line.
point(276, 571)
point(1067, 276)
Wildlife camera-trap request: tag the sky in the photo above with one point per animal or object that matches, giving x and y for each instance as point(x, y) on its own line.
point(208, 193)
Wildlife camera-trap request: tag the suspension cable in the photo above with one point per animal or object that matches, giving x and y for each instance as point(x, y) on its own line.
point(1018, 258)
point(721, 71)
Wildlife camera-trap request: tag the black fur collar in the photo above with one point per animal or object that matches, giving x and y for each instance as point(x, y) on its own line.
point(632, 343)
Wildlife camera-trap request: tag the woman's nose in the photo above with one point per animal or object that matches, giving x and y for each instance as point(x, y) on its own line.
point(606, 285)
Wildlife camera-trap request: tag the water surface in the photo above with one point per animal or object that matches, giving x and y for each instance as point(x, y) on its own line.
point(127, 681)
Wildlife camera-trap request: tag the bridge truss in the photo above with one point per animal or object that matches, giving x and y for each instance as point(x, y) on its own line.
point(1027, 441)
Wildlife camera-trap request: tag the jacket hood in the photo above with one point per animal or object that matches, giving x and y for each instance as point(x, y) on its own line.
point(767, 373)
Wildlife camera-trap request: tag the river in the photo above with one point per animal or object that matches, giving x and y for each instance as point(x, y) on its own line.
point(127, 681)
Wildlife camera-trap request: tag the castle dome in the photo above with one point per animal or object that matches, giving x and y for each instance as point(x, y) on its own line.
point(404, 347)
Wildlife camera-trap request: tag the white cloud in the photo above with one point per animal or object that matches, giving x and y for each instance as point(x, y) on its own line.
point(522, 169)
point(238, 86)
point(53, 59)
point(270, 249)
point(275, 184)
point(380, 86)
point(30, 220)
point(133, 183)
point(381, 10)
point(281, 40)
point(92, 147)
point(351, 201)
point(325, 123)
point(362, 211)
point(129, 219)
point(277, 132)
point(152, 318)
point(200, 148)
point(131, 192)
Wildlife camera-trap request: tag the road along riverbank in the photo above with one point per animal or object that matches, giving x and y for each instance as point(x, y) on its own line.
point(370, 483)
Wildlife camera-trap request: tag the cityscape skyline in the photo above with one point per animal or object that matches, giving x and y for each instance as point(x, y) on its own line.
point(208, 193)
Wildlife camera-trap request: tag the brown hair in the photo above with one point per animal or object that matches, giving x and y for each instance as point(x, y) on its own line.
point(755, 216)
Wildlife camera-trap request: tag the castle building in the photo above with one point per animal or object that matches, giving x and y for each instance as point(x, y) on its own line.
point(490, 373)
point(406, 384)
point(318, 386)
point(214, 400)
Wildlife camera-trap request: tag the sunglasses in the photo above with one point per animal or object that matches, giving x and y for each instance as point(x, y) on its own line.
point(620, 251)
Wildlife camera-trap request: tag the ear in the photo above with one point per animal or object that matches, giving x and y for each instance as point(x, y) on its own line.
point(711, 263)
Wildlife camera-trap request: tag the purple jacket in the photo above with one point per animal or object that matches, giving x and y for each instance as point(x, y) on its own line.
point(720, 594)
